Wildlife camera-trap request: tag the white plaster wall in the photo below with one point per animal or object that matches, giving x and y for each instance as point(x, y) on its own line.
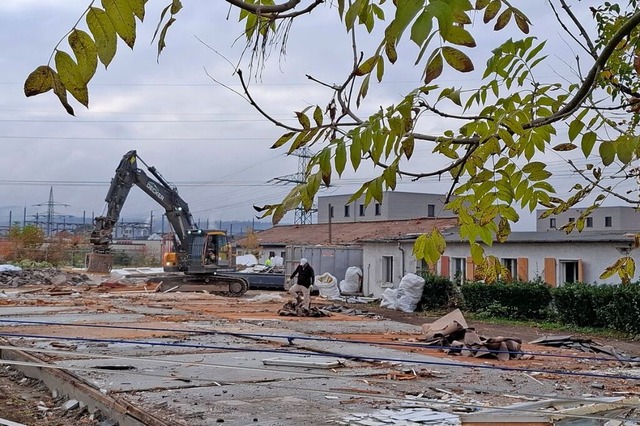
point(595, 258)
point(373, 277)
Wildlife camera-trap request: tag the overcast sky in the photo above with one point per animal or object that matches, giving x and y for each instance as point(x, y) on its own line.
point(201, 136)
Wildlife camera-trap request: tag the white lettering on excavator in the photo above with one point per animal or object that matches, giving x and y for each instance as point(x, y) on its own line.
point(153, 188)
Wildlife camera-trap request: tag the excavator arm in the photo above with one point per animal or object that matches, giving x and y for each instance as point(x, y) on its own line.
point(127, 175)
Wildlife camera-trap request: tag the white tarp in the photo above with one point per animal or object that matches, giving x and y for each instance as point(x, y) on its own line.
point(327, 285)
point(247, 260)
point(5, 268)
point(352, 280)
point(407, 296)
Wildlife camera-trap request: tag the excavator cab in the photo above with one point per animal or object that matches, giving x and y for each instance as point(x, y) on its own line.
point(208, 250)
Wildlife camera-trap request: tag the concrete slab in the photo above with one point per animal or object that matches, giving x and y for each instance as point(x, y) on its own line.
point(176, 371)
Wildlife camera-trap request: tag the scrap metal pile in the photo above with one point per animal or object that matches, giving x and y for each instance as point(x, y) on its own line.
point(452, 334)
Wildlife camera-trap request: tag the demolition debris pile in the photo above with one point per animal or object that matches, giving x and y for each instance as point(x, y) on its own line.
point(452, 333)
point(49, 276)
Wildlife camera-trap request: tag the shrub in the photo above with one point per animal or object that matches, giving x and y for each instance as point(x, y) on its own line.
point(605, 306)
point(517, 300)
point(438, 292)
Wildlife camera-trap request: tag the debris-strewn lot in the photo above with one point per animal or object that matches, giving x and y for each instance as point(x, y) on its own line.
point(200, 359)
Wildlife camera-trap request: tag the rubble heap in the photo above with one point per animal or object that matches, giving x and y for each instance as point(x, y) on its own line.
point(48, 276)
point(585, 344)
point(452, 333)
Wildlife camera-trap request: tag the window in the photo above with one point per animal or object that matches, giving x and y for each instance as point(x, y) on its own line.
point(568, 271)
point(387, 269)
point(431, 210)
point(510, 265)
point(422, 267)
point(608, 222)
point(347, 211)
point(331, 211)
point(378, 209)
point(572, 219)
point(589, 222)
point(458, 270)
point(272, 254)
point(552, 223)
point(282, 254)
point(361, 208)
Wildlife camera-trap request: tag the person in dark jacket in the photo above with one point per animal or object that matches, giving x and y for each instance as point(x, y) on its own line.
point(306, 278)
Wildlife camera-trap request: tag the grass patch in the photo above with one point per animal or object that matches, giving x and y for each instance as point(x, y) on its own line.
point(552, 326)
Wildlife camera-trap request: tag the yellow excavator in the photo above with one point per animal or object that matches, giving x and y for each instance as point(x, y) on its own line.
point(200, 258)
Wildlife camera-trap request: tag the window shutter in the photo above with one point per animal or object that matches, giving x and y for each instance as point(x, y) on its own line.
point(580, 273)
point(471, 269)
point(445, 266)
point(550, 271)
point(523, 268)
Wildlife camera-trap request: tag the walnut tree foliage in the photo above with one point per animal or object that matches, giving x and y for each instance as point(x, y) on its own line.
point(497, 129)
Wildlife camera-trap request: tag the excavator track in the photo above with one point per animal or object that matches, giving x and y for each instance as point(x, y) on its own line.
point(221, 285)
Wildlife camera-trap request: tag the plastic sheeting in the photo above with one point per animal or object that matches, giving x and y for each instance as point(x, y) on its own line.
point(327, 285)
point(406, 297)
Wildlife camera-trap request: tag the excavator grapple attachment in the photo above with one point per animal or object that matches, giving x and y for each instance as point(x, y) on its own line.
point(99, 263)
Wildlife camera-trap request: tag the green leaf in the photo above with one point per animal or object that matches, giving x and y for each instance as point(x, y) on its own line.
point(61, 93)
point(303, 120)
point(86, 53)
point(607, 152)
point(163, 35)
point(625, 149)
point(575, 128)
point(492, 10)
point(563, 147)
point(282, 140)
point(317, 116)
point(460, 36)
point(324, 160)
point(122, 18)
point(390, 50)
point(104, 34)
point(522, 23)
point(39, 81)
point(481, 4)
point(588, 142)
point(71, 77)
point(408, 145)
point(341, 157)
point(421, 28)
point(477, 253)
point(367, 66)
point(457, 59)
point(503, 19)
point(406, 11)
point(434, 68)
point(137, 7)
point(176, 6)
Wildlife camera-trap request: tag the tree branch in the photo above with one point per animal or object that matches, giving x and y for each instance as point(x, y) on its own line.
point(591, 78)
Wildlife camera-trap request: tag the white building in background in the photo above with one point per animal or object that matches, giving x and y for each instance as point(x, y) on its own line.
point(395, 206)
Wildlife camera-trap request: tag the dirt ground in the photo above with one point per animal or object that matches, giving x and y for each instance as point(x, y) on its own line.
point(27, 402)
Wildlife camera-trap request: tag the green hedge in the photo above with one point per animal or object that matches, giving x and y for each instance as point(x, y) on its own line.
point(606, 306)
point(438, 293)
point(517, 300)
